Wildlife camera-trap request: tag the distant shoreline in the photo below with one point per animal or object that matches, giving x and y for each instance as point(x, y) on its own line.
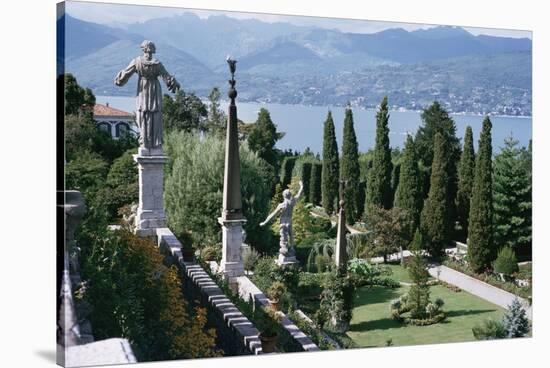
point(399, 109)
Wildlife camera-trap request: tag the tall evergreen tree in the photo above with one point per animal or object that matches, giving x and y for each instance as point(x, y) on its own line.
point(263, 136)
point(480, 229)
point(306, 180)
point(512, 197)
point(435, 119)
point(349, 169)
point(465, 180)
point(331, 171)
point(379, 179)
point(315, 184)
point(408, 195)
point(286, 170)
point(435, 214)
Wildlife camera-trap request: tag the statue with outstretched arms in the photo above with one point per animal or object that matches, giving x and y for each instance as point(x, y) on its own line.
point(284, 209)
point(149, 94)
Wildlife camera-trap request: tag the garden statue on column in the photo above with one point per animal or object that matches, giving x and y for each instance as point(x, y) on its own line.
point(150, 213)
point(287, 254)
point(149, 94)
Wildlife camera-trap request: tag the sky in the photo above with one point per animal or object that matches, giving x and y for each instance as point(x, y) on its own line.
point(120, 15)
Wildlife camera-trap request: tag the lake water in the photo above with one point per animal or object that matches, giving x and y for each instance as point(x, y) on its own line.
point(303, 125)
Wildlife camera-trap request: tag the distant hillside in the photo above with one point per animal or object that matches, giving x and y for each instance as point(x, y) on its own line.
point(280, 62)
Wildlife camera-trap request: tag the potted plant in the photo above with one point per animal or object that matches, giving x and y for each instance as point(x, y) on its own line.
point(267, 322)
point(188, 253)
point(275, 292)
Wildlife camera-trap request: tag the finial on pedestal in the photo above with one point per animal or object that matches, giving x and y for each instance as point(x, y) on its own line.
point(232, 68)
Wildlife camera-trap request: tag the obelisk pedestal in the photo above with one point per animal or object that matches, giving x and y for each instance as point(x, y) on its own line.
point(150, 213)
point(232, 219)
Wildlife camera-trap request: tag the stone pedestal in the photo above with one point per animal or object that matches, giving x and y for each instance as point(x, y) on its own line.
point(232, 240)
point(150, 213)
point(284, 260)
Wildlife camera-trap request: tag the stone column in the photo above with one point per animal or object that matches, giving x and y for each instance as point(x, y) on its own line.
point(232, 219)
point(150, 213)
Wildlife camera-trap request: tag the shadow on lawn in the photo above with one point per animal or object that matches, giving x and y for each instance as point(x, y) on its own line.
point(467, 312)
point(379, 324)
point(376, 294)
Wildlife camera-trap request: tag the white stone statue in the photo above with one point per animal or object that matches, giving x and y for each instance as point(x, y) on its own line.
point(285, 208)
point(149, 94)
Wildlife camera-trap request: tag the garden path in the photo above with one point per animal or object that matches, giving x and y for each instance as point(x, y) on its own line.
point(476, 287)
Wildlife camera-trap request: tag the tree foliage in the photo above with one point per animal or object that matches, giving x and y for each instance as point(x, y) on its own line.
point(315, 184)
point(78, 100)
point(194, 189)
point(331, 171)
point(480, 230)
point(434, 220)
point(135, 296)
point(263, 137)
point(506, 262)
point(408, 195)
point(388, 231)
point(216, 121)
point(185, 111)
point(286, 170)
point(379, 193)
point(436, 120)
point(349, 169)
point(515, 320)
point(465, 180)
point(512, 196)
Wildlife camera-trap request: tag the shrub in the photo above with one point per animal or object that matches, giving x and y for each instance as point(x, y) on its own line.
point(250, 259)
point(506, 262)
point(276, 291)
point(515, 320)
point(337, 298)
point(489, 330)
point(194, 188)
point(211, 253)
point(135, 296)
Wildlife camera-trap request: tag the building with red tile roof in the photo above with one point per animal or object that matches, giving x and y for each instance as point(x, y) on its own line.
point(114, 121)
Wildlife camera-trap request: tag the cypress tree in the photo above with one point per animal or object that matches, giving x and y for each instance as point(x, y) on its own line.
point(330, 172)
point(306, 180)
point(408, 195)
point(315, 184)
point(349, 169)
point(465, 180)
point(436, 119)
point(286, 170)
point(435, 214)
point(512, 197)
point(379, 179)
point(480, 229)
point(263, 136)
point(395, 174)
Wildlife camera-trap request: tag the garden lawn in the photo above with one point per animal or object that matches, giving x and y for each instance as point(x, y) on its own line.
point(372, 326)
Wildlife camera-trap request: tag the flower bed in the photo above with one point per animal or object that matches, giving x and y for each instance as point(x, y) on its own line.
point(491, 279)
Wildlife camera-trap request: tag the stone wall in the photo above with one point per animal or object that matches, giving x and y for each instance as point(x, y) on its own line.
point(236, 335)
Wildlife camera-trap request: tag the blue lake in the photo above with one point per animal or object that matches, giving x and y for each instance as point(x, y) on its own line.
point(303, 125)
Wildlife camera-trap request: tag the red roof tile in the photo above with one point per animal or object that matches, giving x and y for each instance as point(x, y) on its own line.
point(102, 110)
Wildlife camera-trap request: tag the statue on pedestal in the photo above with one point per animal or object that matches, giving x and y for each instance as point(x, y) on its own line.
point(287, 254)
point(149, 94)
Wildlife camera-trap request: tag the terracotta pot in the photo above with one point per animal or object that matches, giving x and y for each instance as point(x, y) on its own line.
point(188, 254)
point(268, 343)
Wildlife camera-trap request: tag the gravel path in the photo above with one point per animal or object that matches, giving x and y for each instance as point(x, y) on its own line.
point(476, 287)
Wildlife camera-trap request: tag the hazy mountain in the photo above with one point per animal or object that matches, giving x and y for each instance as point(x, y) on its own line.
point(211, 40)
point(280, 62)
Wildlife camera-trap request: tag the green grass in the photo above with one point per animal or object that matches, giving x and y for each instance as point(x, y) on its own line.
point(372, 326)
point(399, 273)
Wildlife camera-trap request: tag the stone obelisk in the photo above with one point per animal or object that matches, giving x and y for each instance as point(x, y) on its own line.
point(341, 254)
point(232, 219)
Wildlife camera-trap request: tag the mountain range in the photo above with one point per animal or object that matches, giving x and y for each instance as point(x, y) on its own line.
point(285, 63)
